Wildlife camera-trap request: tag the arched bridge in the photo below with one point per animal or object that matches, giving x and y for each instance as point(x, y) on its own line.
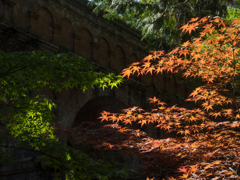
point(70, 25)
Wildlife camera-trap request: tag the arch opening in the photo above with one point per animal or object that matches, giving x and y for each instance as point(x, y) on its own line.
point(89, 113)
point(92, 109)
point(118, 63)
point(42, 24)
point(64, 35)
point(83, 44)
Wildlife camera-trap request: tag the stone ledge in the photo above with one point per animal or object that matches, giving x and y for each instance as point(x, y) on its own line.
point(27, 38)
point(42, 45)
point(120, 25)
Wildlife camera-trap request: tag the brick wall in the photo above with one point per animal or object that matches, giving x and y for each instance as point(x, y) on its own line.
point(70, 25)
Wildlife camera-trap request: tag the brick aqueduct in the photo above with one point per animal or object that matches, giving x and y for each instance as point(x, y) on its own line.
point(70, 25)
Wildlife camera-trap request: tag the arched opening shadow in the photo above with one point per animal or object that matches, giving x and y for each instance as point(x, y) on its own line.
point(92, 109)
point(89, 113)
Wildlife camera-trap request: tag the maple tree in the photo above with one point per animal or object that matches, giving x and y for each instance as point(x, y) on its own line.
point(207, 137)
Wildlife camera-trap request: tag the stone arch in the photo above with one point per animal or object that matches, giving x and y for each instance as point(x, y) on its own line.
point(21, 14)
point(72, 100)
point(159, 81)
point(102, 53)
point(170, 83)
point(185, 88)
point(131, 59)
point(42, 24)
point(181, 85)
point(64, 34)
point(175, 84)
point(83, 44)
point(165, 81)
point(147, 79)
point(7, 9)
point(187, 92)
point(91, 110)
point(118, 62)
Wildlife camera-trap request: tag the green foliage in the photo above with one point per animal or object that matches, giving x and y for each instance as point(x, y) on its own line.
point(159, 21)
point(180, 97)
point(76, 165)
point(233, 11)
point(29, 117)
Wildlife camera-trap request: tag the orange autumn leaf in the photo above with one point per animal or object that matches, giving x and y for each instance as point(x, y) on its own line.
point(194, 168)
point(148, 58)
point(150, 69)
point(127, 72)
point(184, 27)
point(150, 179)
point(171, 178)
point(191, 28)
point(183, 169)
point(194, 19)
point(184, 176)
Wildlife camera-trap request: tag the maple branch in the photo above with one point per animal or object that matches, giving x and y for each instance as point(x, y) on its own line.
point(232, 170)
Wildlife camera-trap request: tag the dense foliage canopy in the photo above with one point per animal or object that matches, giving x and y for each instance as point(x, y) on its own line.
point(159, 21)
